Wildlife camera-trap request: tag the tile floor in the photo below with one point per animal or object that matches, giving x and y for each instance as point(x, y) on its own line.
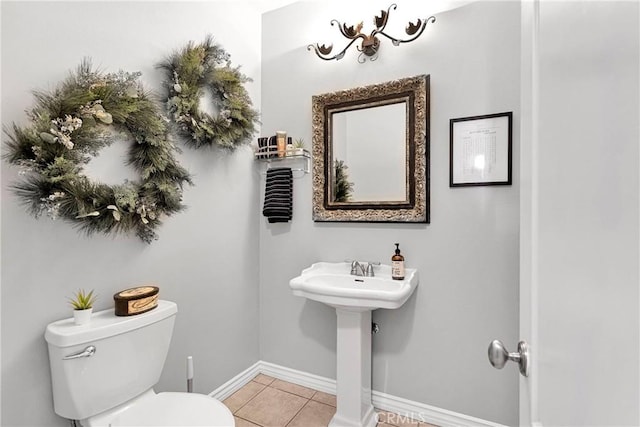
point(270, 402)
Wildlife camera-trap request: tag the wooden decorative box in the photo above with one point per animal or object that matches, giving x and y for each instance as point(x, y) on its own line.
point(136, 300)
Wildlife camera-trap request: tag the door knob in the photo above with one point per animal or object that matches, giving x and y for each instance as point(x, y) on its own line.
point(499, 356)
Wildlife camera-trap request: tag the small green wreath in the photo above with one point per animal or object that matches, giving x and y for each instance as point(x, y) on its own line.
point(71, 124)
point(191, 70)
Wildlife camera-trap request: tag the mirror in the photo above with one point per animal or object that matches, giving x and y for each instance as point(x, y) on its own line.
point(370, 153)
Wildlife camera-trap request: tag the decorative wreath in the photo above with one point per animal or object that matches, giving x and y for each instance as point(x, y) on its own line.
point(70, 125)
point(191, 70)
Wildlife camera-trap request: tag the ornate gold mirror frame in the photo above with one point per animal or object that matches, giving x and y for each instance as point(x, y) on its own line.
point(410, 93)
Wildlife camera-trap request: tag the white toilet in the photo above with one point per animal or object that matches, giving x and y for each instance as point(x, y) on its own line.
point(103, 373)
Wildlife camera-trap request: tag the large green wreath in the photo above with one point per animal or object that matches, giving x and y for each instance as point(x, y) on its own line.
point(191, 70)
point(71, 124)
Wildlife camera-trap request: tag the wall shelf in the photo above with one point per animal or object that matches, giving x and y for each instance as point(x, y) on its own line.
point(298, 159)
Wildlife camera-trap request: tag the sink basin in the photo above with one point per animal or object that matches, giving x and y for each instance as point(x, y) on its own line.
point(331, 283)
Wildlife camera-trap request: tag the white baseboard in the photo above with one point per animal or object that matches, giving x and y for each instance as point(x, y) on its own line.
point(404, 407)
point(305, 379)
point(231, 386)
point(426, 413)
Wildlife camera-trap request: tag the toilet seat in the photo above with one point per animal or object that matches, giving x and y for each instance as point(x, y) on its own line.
point(173, 409)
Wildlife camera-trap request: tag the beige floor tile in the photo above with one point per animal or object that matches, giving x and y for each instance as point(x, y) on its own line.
point(329, 399)
point(244, 423)
point(263, 379)
point(314, 414)
point(293, 388)
point(384, 425)
point(272, 408)
point(238, 399)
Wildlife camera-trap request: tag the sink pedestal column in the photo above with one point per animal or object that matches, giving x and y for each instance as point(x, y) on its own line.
point(353, 376)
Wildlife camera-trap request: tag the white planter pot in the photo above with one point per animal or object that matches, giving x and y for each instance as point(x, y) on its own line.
point(82, 317)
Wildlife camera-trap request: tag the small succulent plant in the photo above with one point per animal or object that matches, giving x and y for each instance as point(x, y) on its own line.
point(82, 300)
point(299, 143)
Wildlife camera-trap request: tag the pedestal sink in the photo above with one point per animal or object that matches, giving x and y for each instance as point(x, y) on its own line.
point(354, 297)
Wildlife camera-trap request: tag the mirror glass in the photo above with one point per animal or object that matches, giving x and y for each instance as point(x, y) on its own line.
point(371, 144)
point(370, 148)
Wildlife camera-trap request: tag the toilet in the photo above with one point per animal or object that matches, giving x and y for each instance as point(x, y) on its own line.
point(103, 373)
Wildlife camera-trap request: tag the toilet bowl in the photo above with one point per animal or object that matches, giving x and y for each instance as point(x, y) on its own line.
point(165, 409)
point(103, 373)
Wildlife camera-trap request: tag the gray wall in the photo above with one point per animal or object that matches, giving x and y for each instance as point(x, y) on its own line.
point(432, 350)
point(207, 267)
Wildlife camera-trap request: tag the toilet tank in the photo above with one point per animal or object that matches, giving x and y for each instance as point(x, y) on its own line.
point(129, 356)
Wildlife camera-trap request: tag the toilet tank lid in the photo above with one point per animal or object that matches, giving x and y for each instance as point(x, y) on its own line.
point(104, 324)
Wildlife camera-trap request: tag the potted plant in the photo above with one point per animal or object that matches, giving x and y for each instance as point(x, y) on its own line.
point(82, 303)
point(298, 147)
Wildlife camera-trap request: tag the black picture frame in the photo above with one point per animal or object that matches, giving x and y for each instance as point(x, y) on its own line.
point(480, 150)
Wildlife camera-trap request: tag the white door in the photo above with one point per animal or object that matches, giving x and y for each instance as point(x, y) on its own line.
point(580, 213)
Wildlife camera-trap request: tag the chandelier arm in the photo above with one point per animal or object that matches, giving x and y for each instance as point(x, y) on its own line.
point(385, 18)
point(397, 41)
point(336, 56)
point(343, 32)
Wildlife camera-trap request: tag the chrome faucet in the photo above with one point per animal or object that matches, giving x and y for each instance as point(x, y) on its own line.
point(363, 269)
point(357, 269)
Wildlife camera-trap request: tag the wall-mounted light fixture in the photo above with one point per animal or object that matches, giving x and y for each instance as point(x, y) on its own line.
point(370, 43)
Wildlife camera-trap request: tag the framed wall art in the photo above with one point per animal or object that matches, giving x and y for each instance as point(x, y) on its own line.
point(480, 150)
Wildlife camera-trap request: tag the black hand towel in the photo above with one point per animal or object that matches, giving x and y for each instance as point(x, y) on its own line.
point(278, 195)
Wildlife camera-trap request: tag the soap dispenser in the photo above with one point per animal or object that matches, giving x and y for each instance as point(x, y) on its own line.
point(397, 265)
